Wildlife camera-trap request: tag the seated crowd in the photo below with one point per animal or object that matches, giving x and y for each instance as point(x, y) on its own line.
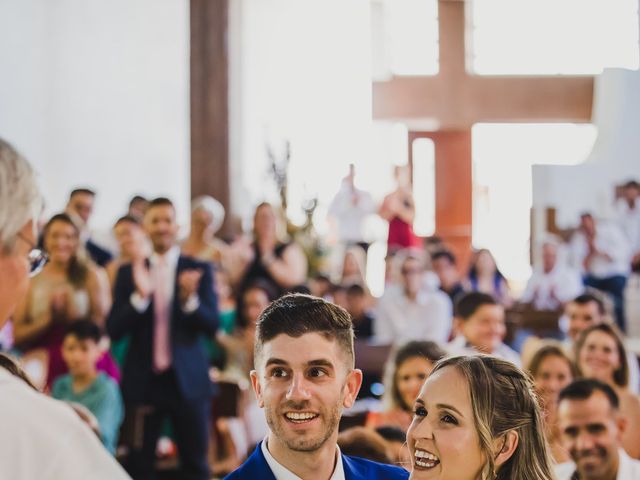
point(96, 330)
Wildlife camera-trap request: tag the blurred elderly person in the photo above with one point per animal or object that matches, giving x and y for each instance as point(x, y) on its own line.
point(48, 430)
point(552, 284)
point(207, 216)
point(283, 264)
point(603, 254)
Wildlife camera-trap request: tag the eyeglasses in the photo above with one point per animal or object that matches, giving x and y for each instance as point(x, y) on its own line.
point(36, 257)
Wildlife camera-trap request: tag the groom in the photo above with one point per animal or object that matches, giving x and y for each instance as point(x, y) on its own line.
point(304, 376)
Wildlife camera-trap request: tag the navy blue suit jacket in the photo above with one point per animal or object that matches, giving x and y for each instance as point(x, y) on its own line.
point(257, 468)
point(188, 358)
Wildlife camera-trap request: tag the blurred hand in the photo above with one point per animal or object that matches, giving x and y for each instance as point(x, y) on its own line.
point(188, 283)
point(142, 278)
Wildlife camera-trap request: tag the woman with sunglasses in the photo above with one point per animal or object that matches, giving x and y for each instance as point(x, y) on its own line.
point(70, 287)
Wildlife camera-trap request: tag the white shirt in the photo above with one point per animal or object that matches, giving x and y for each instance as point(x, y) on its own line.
point(628, 469)
point(459, 346)
point(351, 217)
point(282, 473)
point(610, 240)
point(629, 221)
point(564, 282)
point(44, 439)
point(399, 319)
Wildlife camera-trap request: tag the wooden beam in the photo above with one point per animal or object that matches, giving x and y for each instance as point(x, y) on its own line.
point(209, 100)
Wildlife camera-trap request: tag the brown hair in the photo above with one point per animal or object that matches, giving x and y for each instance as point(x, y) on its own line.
point(621, 375)
point(298, 314)
point(417, 348)
point(78, 268)
point(550, 351)
point(503, 399)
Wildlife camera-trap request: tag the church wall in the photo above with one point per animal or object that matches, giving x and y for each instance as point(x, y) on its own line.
point(97, 94)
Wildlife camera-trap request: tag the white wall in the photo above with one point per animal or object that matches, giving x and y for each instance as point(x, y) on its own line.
point(615, 157)
point(299, 70)
point(96, 93)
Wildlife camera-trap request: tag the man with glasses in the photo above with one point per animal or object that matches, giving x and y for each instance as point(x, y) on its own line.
point(41, 437)
point(413, 310)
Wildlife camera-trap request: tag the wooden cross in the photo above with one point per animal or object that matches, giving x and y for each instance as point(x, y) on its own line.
point(454, 100)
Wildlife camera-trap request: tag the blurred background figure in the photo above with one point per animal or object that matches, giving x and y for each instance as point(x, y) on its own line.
point(398, 208)
point(601, 355)
point(137, 207)
point(444, 265)
point(406, 371)
point(552, 370)
point(132, 242)
point(485, 277)
point(69, 288)
point(207, 216)
point(350, 209)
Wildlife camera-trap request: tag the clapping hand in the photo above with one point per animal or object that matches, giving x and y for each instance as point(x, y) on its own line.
point(188, 283)
point(142, 278)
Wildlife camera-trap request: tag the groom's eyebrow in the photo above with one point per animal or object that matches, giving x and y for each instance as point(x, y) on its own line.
point(276, 361)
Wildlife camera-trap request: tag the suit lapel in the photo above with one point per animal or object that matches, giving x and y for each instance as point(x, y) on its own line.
point(351, 470)
point(256, 467)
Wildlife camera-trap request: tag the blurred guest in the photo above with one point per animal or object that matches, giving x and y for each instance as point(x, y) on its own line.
point(339, 296)
point(357, 306)
point(628, 215)
point(354, 266)
point(553, 285)
point(85, 385)
point(137, 206)
point(364, 443)
point(552, 370)
point(283, 264)
point(410, 312)
point(602, 253)
point(350, 207)
point(405, 373)
point(398, 208)
point(320, 286)
point(601, 355)
point(79, 208)
point(592, 425)
point(165, 304)
point(480, 328)
point(133, 245)
point(207, 216)
point(443, 263)
point(70, 287)
point(485, 277)
point(585, 311)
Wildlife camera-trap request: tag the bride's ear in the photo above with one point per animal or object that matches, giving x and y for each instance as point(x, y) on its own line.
point(505, 446)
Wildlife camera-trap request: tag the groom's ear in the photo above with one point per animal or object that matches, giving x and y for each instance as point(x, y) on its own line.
point(257, 388)
point(352, 387)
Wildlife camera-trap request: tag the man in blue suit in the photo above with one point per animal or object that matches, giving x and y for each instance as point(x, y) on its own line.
point(164, 304)
point(304, 376)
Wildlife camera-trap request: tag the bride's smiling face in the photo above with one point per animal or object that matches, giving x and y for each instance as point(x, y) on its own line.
point(442, 438)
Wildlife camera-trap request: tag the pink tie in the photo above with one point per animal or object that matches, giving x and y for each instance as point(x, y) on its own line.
point(161, 306)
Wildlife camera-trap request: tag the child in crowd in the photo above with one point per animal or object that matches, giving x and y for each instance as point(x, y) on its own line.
point(83, 384)
point(480, 327)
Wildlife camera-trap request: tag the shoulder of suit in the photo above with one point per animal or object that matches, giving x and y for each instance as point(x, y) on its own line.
point(368, 466)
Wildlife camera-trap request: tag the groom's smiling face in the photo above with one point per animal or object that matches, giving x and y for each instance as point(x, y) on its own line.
point(303, 384)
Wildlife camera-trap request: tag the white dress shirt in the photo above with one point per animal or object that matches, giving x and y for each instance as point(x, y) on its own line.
point(44, 439)
point(610, 240)
point(564, 282)
point(460, 346)
point(628, 469)
point(282, 473)
point(351, 217)
point(399, 319)
point(629, 221)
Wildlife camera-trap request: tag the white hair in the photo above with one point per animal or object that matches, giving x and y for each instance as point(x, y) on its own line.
point(213, 207)
point(20, 199)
